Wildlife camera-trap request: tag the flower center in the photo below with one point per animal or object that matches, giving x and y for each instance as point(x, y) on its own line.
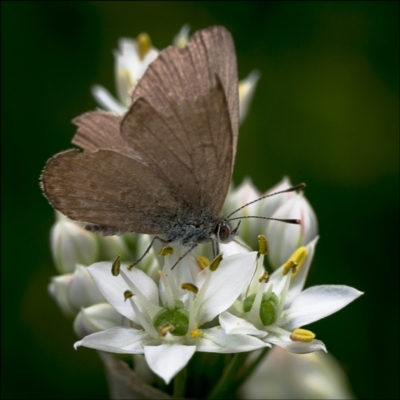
point(177, 321)
point(268, 307)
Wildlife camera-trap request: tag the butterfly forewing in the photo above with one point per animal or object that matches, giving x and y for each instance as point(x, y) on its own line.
point(181, 73)
point(189, 144)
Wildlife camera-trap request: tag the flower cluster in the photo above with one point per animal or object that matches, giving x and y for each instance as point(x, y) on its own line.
point(226, 305)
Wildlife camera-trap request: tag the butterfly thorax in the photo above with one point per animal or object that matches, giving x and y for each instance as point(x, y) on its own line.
point(188, 229)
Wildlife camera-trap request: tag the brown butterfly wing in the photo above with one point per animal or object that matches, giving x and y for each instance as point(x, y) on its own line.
point(181, 73)
point(188, 144)
point(108, 189)
point(101, 130)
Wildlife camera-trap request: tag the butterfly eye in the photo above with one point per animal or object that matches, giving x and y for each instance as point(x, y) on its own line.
point(224, 232)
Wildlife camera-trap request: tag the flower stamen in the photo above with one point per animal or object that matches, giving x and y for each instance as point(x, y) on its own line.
point(195, 333)
point(262, 245)
point(166, 251)
point(215, 263)
point(128, 294)
point(302, 335)
point(202, 262)
point(190, 287)
point(143, 44)
point(116, 265)
point(264, 277)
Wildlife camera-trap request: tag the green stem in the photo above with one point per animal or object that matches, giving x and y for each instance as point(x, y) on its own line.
point(249, 370)
point(228, 375)
point(180, 384)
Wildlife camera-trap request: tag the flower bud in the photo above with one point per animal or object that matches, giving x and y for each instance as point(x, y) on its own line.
point(284, 238)
point(111, 246)
point(71, 245)
point(74, 291)
point(283, 375)
point(96, 318)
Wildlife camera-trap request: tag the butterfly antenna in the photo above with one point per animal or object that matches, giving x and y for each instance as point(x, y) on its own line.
point(288, 221)
point(291, 189)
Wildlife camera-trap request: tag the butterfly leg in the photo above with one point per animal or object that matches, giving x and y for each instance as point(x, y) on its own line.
point(215, 247)
point(184, 255)
point(147, 250)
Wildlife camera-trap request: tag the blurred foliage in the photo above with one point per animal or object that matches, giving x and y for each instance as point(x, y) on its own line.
point(325, 112)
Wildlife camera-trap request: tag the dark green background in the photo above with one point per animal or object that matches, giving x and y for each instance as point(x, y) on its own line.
point(325, 112)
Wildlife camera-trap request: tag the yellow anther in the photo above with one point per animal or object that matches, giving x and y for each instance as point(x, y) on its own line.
point(215, 263)
point(202, 262)
point(262, 245)
point(165, 329)
point(166, 251)
point(299, 256)
point(264, 277)
point(289, 266)
point(302, 335)
point(195, 333)
point(190, 287)
point(159, 272)
point(127, 295)
point(116, 265)
point(143, 44)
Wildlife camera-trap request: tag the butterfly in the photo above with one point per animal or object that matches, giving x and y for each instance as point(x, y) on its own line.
point(163, 168)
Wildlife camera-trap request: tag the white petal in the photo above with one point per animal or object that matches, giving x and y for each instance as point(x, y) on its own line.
point(283, 238)
point(106, 100)
point(297, 282)
point(299, 347)
point(113, 287)
point(235, 247)
point(167, 360)
point(226, 284)
point(118, 340)
point(83, 291)
point(99, 317)
point(182, 37)
point(271, 204)
point(215, 340)
point(316, 303)
point(235, 325)
point(247, 87)
point(59, 290)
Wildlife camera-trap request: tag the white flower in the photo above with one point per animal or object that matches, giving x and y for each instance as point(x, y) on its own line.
point(71, 245)
point(247, 88)
point(274, 308)
point(283, 375)
point(167, 320)
point(131, 61)
point(285, 238)
point(74, 291)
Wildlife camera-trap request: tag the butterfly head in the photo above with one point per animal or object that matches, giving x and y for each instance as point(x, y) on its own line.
point(224, 232)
